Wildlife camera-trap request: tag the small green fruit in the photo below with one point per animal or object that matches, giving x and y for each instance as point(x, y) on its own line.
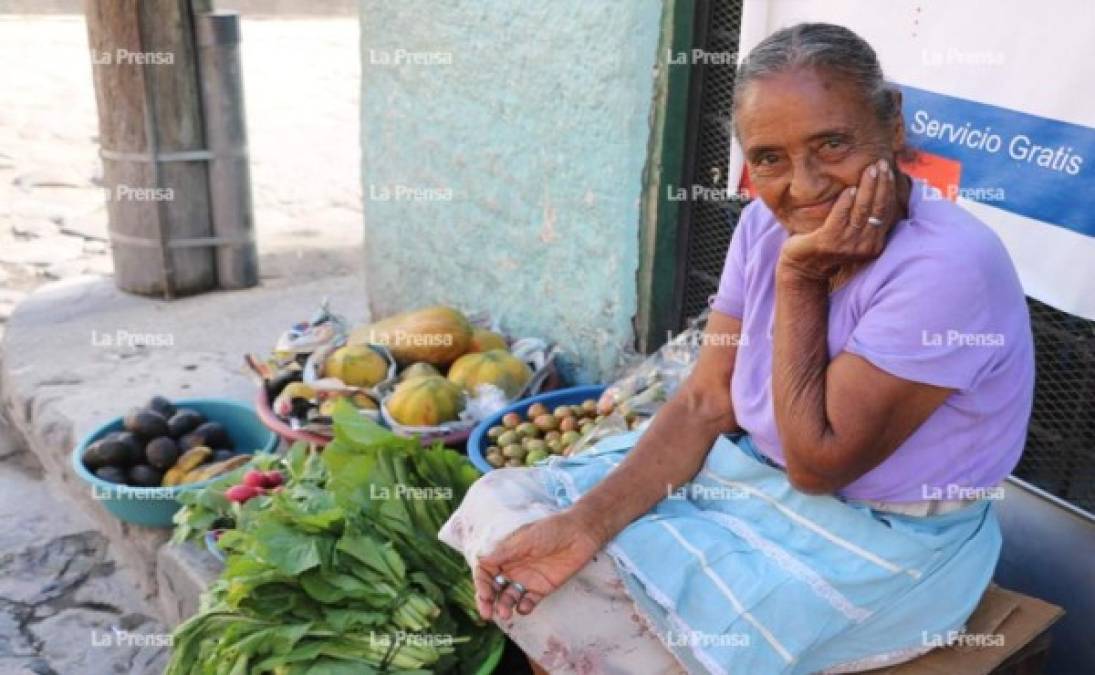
point(528, 430)
point(514, 451)
point(535, 456)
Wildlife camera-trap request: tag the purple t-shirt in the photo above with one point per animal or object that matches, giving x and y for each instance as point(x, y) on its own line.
point(942, 305)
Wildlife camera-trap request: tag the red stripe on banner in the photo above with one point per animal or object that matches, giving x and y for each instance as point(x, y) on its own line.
point(940, 172)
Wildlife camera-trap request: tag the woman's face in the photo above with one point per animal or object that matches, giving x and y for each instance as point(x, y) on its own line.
point(807, 135)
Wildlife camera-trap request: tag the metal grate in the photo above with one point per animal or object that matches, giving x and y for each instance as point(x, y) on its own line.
point(707, 224)
point(1060, 452)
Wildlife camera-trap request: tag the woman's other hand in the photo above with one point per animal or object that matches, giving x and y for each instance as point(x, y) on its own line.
point(854, 232)
point(540, 556)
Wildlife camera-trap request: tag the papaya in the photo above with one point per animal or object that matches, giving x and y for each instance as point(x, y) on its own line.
point(418, 370)
point(497, 367)
point(436, 335)
point(356, 366)
point(483, 340)
point(426, 401)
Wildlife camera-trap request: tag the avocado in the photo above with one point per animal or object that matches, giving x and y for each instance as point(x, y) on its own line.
point(108, 451)
point(183, 422)
point(223, 454)
point(215, 435)
point(162, 452)
point(133, 444)
point(94, 458)
point(111, 474)
point(147, 424)
point(161, 405)
point(143, 475)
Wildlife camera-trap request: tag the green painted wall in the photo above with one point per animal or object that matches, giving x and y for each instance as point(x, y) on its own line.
point(503, 151)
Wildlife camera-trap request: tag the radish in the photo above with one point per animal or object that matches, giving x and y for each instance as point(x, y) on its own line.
point(272, 479)
point(241, 493)
point(254, 479)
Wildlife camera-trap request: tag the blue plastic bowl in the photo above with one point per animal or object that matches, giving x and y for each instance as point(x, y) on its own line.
point(477, 442)
point(155, 506)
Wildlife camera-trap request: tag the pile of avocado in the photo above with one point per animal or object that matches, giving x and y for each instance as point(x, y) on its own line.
point(155, 438)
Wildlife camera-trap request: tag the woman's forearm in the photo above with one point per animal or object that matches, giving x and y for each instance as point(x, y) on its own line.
point(668, 454)
point(800, 356)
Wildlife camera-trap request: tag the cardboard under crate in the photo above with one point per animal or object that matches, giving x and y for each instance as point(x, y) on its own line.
point(1020, 619)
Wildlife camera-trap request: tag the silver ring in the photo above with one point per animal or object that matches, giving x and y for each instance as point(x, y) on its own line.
point(501, 580)
point(877, 222)
point(521, 590)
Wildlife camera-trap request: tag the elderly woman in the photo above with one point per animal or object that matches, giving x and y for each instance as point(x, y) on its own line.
point(817, 495)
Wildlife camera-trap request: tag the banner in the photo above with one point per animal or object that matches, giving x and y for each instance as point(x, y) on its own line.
point(997, 98)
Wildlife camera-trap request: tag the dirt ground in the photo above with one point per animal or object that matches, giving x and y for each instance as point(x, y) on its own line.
point(301, 83)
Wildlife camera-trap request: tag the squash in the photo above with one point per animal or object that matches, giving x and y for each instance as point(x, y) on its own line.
point(483, 340)
point(436, 335)
point(419, 369)
point(426, 401)
point(356, 366)
point(497, 367)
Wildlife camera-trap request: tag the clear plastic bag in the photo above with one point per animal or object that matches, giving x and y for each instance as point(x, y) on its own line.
point(642, 388)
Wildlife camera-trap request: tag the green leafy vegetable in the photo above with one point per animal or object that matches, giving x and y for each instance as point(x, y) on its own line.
point(341, 570)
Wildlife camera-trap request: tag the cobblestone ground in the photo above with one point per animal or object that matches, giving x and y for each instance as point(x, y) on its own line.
point(65, 605)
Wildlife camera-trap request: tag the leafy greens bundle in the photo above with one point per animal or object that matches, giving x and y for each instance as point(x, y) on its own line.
point(341, 570)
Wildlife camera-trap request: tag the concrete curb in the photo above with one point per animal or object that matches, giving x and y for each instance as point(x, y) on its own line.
point(68, 362)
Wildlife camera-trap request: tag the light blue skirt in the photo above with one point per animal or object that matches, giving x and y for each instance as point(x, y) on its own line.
point(741, 573)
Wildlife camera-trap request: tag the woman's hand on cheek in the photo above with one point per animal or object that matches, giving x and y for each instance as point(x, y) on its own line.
point(855, 230)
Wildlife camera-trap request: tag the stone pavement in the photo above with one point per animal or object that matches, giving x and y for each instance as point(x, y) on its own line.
point(63, 595)
point(65, 367)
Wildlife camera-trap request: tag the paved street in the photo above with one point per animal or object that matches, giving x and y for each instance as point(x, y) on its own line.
point(65, 604)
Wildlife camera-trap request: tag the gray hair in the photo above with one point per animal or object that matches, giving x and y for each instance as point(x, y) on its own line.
point(827, 46)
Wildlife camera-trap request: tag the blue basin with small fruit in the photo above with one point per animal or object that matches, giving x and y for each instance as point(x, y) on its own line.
point(155, 506)
point(478, 441)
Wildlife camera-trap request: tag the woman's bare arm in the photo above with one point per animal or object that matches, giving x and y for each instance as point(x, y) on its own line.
point(675, 445)
point(837, 420)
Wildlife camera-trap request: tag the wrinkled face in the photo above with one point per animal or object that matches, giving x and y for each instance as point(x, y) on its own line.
point(806, 135)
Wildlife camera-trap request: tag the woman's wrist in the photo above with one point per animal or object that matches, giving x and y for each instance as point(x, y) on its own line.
point(590, 519)
point(793, 272)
